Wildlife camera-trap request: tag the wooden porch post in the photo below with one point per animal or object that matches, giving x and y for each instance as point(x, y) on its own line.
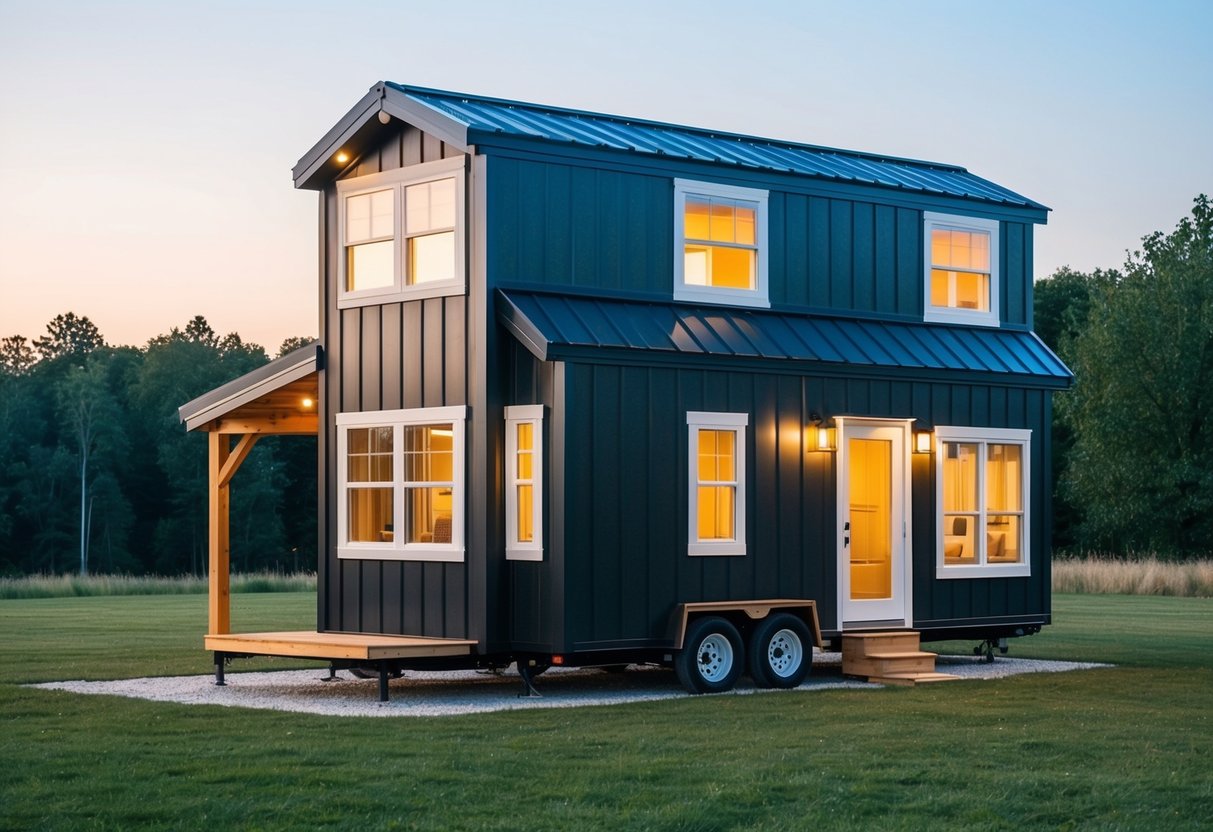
point(219, 606)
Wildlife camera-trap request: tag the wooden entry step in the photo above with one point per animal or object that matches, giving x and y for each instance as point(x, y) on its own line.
point(890, 657)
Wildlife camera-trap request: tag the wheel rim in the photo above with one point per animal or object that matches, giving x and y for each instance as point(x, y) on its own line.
point(715, 657)
point(785, 652)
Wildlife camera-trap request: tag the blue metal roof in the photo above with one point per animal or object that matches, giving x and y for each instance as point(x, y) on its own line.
point(494, 116)
point(555, 326)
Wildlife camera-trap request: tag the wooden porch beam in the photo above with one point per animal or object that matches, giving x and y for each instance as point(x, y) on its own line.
point(306, 424)
point(237, 457)
point(219, 611)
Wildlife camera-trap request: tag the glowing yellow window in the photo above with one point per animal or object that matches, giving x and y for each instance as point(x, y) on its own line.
point(960, 269)
point(983, 504)
point(717, 489)
point(369, 475)
point(524, 482)
point(720, 242)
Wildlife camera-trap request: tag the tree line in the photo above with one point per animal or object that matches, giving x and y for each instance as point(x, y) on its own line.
point(98, 474)
point(1133, 440)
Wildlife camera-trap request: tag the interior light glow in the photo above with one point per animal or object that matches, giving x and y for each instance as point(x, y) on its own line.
point(307, 402)
point(342, 157)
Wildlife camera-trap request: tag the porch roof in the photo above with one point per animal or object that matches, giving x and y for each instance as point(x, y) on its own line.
point(555, 326)
point(268, 400)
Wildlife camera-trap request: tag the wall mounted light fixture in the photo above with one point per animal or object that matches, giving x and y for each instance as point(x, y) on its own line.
point(819, 435)
point(923, 441)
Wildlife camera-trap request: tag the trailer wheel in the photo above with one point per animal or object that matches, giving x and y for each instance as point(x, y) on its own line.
point(711, 657)
point(781, 652)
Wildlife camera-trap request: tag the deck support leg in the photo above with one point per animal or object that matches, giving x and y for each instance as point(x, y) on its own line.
point(332, 677)
point(383, 697)
point(219, 659)
point(528, 684)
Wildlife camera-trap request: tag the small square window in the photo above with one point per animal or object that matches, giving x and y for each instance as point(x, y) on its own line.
point(961, 268)
point(720, 244)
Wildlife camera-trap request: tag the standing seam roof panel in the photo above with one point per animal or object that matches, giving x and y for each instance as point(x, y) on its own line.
point(676, 141)
point(575, 321)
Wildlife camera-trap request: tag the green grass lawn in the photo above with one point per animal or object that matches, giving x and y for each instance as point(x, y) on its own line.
point(1129, 747)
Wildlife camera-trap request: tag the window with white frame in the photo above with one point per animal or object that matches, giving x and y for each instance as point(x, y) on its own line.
point(982, 477)
point(524, 482)
point(716, 502)
point(400, 484)
point(720, 244)
point(961, 268)
point(402, 234)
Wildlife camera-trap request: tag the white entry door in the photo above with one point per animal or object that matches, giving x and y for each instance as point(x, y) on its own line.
point(873, 490)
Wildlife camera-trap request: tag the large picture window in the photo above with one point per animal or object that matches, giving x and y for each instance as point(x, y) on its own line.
point(524, 482)
point(961, 267)
point(402, 234)
point(720, 240)
point(983, 482)
point(400, 479)
point(716, 500)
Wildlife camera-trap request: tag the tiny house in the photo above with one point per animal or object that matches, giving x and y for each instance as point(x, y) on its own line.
point(600, 390)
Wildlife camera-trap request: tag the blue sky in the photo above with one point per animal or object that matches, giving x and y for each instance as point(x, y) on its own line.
point(145, 148)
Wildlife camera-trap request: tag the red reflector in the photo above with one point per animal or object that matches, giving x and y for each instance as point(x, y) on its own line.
point(557, 659)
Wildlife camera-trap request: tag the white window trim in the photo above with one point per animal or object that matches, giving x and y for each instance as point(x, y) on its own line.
point(999, 436)
point(398, 180)
point(514, 416)
point(948, 315)
point(759, 295)
point(452, 552)
point(736, 422)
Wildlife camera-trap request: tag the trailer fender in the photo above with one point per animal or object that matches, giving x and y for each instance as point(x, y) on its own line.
point(742, 613)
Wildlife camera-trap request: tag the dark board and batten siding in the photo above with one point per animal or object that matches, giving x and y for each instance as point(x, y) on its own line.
point(563, 226)
point(626, 563)
point(387, 357)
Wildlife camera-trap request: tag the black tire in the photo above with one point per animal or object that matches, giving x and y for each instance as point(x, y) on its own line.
point(711, 657)
point(781, 651)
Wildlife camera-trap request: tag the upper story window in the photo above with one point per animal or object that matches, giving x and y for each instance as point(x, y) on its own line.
point(982, 503)
point(961, 268)
point(400, 484)
point(402, 234)
point(716, 502)
point(524, 482)
point(720, 244)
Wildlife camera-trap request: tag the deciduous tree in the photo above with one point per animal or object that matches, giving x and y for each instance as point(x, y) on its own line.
point(1142, 408)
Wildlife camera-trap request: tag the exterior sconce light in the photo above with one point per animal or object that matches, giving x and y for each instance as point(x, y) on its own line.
point(825, 439)
point(821, 437)
point(922, 441)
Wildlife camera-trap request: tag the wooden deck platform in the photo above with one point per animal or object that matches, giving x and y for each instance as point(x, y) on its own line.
point(351, 646)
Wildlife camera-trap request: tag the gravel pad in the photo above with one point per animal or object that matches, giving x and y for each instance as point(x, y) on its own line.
point(469, 692)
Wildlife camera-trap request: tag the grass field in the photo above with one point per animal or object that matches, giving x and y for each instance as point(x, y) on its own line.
point(1129, 747)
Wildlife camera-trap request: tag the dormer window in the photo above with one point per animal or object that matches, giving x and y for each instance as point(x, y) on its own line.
point(720, 244)
point(401, 234)
point(961, 267)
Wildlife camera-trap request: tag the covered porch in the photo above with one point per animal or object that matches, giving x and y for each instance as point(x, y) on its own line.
point(279, 399)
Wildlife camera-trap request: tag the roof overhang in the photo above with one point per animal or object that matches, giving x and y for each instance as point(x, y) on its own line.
point(363, 127)
point(581, 328)
point(270, 400)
